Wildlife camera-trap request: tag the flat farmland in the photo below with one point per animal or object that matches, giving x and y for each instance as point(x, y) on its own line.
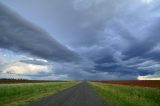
point(18, 94)
point(122, 95)
point(79, 93)
point(141, 83)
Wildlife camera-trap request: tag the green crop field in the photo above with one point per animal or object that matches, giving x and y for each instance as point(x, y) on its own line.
point(20, 94)
point(119, 95)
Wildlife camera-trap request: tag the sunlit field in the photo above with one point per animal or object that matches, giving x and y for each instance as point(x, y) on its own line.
point(120, 95)
point(21, 94)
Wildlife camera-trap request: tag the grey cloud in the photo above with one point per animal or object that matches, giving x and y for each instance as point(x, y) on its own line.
point(144, 47)
point(36, 62)
point(113, 36)
point(19, 35)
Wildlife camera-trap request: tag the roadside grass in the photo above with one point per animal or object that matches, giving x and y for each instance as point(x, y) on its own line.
point(21, 94)
point(120, 95)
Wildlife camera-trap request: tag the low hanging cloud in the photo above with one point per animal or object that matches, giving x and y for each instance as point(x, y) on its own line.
point(19, 35)
point(35, 61)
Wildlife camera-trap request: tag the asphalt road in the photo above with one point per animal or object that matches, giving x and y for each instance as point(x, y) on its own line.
point(79, 95)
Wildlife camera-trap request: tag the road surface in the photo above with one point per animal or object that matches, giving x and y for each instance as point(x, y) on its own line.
point(79, 95)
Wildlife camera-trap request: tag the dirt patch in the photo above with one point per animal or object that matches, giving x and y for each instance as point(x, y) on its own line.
point(144, 83)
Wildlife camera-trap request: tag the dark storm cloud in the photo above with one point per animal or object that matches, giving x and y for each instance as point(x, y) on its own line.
point(19, 35)
point(123, 70)
point(155, 55)
point(114, 37)
point(144, 48)
point(101, 55)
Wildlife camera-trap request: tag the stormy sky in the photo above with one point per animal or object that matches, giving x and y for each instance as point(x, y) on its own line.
point(80, 39)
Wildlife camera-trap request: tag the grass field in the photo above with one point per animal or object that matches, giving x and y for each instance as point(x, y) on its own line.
point(120, 95)
point(20, 94)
